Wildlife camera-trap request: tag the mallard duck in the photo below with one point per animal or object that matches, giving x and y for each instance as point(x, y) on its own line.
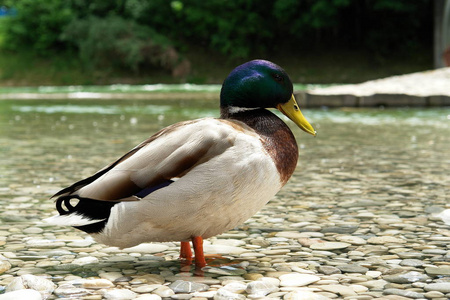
point(195, 179)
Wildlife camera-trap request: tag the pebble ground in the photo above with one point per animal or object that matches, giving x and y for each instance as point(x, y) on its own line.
point(335, 244)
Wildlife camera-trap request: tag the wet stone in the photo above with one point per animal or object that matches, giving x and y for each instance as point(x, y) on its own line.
point(275, 251)
point(70, 291)
point(329, 246)
point(433, 209)
point(342, 290)
point(410, 255)
point(223, 294)
point(30, 257)
point(406, 277)
point(119, 294)
point(327, 270)
point(434, 251)
point(354, 240)
point(33, 230)
point(253, 276)
point(258, 289)
point(181, 286)
point(85, 260)
point(145, 288)
point(97, 284)
point(26, 294)
point(236, 287)
point(224, 272)
point(373, 274)
point(352, 268)
point(385, 240)
point(121, 258)
point(289, 234)
point(205, 295)
point(30, 271)
point(438, 271)
point(4, 266)
point(148, 297)
point(56, 253)
point(40, 284)
point(47, 263)
point(45, 244)
point(403, 293)
point(148, 279)
point(80, 244)
point(66, 267)
point(233, 235)
point(181, 296)
point(341, 229)
point(206, 280)
point(111, 276)
point(164, 291)
point(304, 295)
point(443, 287)
point(229, 242)
point(412, 263)
point(434, 294)
point(147, 248)
point(296, 279)
point(13, 219)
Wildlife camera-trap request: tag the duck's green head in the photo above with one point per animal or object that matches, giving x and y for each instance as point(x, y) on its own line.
point(262, 84)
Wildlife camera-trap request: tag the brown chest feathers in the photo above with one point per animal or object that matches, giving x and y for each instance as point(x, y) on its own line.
point(277, 138)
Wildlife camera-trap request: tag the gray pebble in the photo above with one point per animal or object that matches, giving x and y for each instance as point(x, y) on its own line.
point(27, 294)
point(403, 293)
point(438, 270)
point(412, 263)
point(40, 284)
point(342, 230)
point(260, 289)
point(164, 291)
point(223, 294)
point(328, 270)
point(119, 294)
point(434, 294)
point(352, 268)
point(181, 286)
point(406, 277)
point(443, 287)
point(181, 296)
point(70, 291)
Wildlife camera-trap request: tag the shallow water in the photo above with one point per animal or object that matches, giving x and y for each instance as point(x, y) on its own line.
point(398, 157)
point(127, 88)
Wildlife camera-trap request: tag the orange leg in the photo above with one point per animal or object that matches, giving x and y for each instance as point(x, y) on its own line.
point(185, 251)
point(197, 243)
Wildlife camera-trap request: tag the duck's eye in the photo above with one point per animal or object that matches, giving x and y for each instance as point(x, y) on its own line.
point(278, 78)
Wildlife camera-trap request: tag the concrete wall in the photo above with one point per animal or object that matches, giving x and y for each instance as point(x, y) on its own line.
point(377, 100)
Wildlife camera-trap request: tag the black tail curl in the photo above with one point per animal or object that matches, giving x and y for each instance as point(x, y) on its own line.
point(95, 209)
point(88, 208)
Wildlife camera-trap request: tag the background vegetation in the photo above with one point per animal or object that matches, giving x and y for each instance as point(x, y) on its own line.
point(100, 41)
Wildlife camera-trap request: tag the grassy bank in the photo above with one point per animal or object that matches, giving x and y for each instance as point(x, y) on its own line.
point(25, 69)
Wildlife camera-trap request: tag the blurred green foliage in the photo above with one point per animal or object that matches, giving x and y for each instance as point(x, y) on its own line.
point(37, 24)
point(135, 33)
point(117, 42)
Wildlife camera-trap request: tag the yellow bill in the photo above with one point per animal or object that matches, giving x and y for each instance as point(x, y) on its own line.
point(291, 110)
